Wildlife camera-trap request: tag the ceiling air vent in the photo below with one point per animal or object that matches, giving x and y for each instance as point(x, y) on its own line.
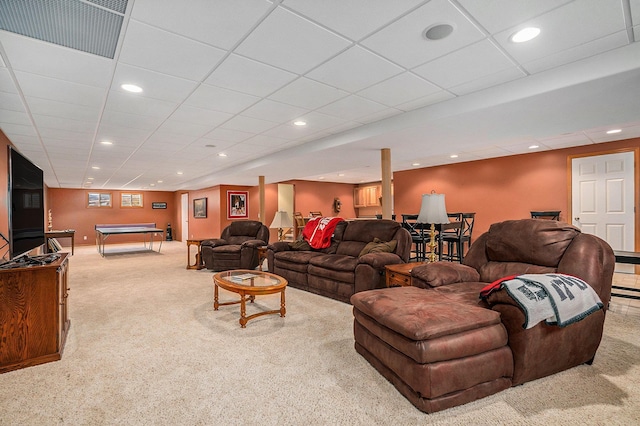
point(91, 26)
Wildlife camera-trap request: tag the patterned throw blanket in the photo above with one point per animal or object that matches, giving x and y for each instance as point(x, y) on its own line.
point(318, 231)
point(557, 299)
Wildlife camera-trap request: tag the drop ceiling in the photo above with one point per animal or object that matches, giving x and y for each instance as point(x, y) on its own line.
point(223, 81)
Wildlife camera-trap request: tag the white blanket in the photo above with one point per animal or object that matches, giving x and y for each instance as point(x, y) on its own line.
point(555, 298)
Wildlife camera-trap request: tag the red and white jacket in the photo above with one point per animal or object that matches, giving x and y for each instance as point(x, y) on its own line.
point(318, 231)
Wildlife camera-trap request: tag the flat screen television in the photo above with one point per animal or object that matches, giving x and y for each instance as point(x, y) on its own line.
point(26, 200)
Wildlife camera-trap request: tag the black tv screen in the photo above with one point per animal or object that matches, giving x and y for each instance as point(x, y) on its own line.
point(26, 198)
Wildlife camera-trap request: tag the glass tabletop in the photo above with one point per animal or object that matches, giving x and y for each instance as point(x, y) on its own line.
point(249, 278)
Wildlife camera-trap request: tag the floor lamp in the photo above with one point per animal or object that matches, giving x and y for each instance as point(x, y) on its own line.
point(433, 211)
point(281, 220)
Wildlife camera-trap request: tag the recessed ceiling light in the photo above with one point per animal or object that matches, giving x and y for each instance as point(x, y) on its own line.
point(106, 142)
point(613, 131)
point(300, 123)
point(179, 173)
point(438, 31)
point(321, 177)
point(90, 178)
point(222, 154)
point(152, 184)
point(415, 164)
point(95, 167)
point(453, 156)
point(534, 146)
point(209, 146)
point(131, 88)
point(340, 174)
point(160, 181)
point(525, 34)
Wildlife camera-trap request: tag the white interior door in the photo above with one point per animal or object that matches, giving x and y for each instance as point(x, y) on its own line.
point(184, 201)
point(603, 198)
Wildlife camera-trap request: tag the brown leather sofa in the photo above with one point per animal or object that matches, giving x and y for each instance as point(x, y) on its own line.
point(339, 271)
point(442, 346)
point(237, 247)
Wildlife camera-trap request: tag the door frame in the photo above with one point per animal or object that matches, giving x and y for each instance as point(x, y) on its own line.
point(636, 184)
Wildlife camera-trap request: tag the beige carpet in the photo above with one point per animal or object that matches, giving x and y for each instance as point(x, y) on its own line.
point(147, 348)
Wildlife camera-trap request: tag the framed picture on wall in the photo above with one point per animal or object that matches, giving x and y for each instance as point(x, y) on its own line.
point(99, 199)
point(200, 208)
point(131, 200)
point(237, 204)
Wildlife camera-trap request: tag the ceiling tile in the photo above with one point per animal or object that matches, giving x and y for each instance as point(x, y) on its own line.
point(133, 103)
point(65, 134)
point(274, 111)
point(59, 90)
point(219, 99)
point(154, 85)
point(365, 69)
point(380, 115)
point(115, 118)
point(38, 57)
point(202, 116)
point(62, 109)
point(464, 65)
point(14, 117)
point(149, 47)
point(308, 94)
point(228, 135)
point(128, 136)
point(248, 124)
point(587, 20)
point(264, 140)
point(291, 42)
point(354, 18)
point(173, 125)
point(498, 15)
point(486, 81)
point(249, 76)
point(6, 82)
point(440, 96)
point(577, 53)
point(403, 41)
point(47, 121)
point(399, 89)
point(352, 108)
point(566, 141)
point(222, 25)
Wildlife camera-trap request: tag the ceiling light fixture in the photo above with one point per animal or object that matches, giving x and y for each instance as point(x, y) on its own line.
point(160, 181)
point(300, 123)
point(438, 31)
point(534, 146)
point(321, 177)
point(209, 146)
point(415, 164)
point(95, 167)
point(90, 178)
point(453, 156)
point(525, 34)
point(613, 131)
point(131, 88)
point(222, 154)
point(106, 143)
point(179, 173)
point(340, 174)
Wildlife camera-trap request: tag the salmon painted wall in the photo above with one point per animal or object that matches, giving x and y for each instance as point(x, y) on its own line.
point(319, 196)
point(499, 189)
point(69, 211)
point(4, 184)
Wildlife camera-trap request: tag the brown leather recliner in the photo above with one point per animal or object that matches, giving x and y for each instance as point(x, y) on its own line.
point(442, 346)
point(237, 247)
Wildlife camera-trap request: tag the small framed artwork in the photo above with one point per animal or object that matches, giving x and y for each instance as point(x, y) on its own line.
point(130, 200)
point(99, 199)
point(200, 208)
point(158, 205)
point(237, 204)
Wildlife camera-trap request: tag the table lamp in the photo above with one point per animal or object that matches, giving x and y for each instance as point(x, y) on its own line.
point(281, 220)
point(433, 210)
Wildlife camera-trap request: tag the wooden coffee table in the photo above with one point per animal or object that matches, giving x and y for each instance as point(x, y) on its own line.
point(249, 284)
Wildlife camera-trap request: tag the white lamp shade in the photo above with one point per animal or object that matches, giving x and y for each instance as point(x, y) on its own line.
point(433, 209)
point(281, 220)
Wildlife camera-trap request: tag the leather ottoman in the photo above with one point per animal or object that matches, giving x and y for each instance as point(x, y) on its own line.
point(438, 352)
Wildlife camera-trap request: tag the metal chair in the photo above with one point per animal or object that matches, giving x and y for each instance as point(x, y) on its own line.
point(419, 237)
point(549, 214)
point(456, 238)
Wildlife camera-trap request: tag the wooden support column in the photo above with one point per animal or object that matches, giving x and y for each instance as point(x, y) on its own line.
point(262, 197)
point(386, 183)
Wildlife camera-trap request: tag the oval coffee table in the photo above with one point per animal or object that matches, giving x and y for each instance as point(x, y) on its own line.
point(249, 284)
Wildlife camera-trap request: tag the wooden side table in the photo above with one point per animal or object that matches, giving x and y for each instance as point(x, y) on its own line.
point(400, 274)
point(262, 255)
point(198, 263)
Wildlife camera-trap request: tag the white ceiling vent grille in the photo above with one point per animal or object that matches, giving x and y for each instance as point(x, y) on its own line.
point(70, 23)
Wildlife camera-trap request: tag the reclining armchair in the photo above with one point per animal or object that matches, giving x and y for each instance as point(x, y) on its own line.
point(237, 247)
point(441, 345)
